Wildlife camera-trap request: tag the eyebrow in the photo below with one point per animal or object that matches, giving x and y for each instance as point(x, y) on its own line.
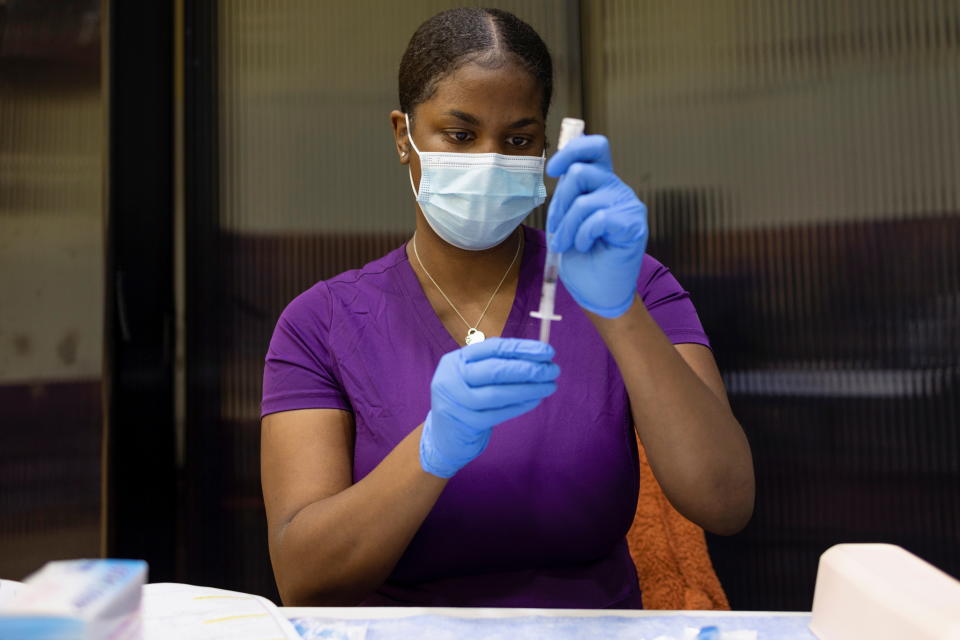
point(466, 117)
point(523, 122)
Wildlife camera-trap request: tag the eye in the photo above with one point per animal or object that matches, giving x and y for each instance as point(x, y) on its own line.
point(459, 136)
point(519, 141)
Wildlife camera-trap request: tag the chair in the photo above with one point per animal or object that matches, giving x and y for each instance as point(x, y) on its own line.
point(670, 553)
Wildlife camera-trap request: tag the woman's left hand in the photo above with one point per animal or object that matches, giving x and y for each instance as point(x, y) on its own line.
point(598, 224)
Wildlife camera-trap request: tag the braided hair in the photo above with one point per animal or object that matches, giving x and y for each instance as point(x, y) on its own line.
point(489, 37)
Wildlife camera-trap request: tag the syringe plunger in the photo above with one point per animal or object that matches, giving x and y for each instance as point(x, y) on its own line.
point(570, 128)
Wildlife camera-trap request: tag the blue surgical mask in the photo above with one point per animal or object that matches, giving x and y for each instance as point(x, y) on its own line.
point(475, 200)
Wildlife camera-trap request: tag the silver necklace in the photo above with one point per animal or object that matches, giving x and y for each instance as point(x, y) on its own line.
point(474, 334)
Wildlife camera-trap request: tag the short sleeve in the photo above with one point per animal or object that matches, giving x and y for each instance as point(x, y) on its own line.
point(669, 304)
point(300, 370)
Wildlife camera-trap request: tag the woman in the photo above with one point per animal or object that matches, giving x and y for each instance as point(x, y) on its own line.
point(400, 466)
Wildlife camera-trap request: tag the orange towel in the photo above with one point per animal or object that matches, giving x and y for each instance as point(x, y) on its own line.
point(670, 553)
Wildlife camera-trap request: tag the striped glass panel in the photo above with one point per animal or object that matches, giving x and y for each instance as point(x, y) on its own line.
point(51, 283)
point(801, 164)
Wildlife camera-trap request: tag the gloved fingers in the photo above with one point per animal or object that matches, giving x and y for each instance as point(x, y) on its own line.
point(508, 371)
point(496, 416)
point(497, 396)
point(594, 149)
point(622, 228)
point(581, 209)
point(579, 179)
point(511, 348)
point(595, 226)
point(626, 227)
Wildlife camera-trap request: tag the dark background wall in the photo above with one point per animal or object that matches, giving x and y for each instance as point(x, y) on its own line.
point(801, 164)
point(51, 282)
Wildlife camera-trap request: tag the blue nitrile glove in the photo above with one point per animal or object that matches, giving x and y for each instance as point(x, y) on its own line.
point(476, 388)
point(598, 224)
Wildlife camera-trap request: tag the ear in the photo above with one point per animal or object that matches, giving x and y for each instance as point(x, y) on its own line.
point(400, 136)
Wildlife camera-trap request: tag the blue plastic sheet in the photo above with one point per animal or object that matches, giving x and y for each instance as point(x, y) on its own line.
point(438, 627)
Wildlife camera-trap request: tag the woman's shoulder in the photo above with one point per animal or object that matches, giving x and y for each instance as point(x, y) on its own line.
point(349, 288)
point(654, 273)
point(374, 272)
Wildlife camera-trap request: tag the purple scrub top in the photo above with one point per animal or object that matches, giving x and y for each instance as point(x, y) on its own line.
point(539, 519)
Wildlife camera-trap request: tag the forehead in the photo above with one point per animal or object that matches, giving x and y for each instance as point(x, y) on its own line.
point(507, 90)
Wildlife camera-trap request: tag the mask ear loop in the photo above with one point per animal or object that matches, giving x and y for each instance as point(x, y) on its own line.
point(409, 168)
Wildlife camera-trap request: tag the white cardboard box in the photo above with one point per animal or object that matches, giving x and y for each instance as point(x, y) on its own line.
point(77, 600)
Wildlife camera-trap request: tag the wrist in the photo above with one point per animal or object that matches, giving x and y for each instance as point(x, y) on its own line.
point(626, 321)
point(431, 460)
point(608, 311)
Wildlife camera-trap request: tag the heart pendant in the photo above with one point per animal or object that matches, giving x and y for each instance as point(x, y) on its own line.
point(474, 336)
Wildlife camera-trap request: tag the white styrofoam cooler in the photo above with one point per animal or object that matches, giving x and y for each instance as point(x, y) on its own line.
point(883, 592)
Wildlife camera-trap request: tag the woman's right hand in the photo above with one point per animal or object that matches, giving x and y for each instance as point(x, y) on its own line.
point(476, 388)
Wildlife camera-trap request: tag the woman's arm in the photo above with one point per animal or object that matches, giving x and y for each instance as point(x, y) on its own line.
point(333, 542)
point(695, 445)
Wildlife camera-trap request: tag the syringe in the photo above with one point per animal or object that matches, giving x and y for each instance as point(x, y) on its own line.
point(570, 128)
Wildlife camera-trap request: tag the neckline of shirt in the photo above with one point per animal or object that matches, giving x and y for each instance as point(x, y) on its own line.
point(430, 322)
